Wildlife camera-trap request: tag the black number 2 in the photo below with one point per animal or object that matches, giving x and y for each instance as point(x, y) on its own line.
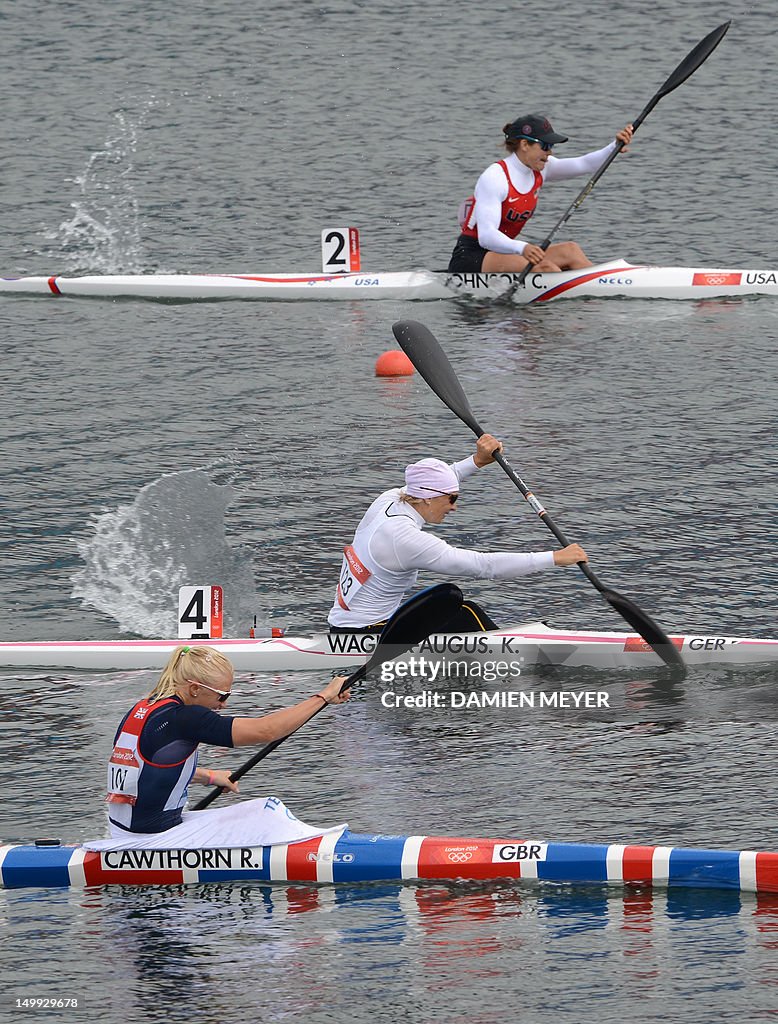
point(336, 257)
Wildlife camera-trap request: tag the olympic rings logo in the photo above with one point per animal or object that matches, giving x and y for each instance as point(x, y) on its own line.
point(460, 856)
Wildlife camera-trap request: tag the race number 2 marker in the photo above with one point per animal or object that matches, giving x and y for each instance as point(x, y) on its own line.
point(200, 612)
point(339, 250)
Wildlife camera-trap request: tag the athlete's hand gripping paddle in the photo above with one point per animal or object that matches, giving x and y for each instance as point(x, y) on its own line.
point(422, 615)
point(687, 67)
point(424, 351)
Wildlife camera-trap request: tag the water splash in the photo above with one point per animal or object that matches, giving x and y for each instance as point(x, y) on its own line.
point(172, 534)
point(104, 234)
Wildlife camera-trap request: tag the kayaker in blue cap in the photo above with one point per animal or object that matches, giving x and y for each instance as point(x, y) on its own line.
point(505, 198)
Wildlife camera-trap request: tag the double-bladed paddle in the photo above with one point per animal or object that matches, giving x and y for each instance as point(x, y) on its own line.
point(422, 615)
point(687, 67)
point(424, 351)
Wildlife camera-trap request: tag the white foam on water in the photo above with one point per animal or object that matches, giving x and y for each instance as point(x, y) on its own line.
point(103, 236)
point(172, 534)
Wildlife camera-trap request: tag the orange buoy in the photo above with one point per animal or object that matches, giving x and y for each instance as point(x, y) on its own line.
point(394, 363)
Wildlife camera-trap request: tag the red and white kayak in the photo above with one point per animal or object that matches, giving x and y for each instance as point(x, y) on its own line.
point(615, 278)
point(347, 857)
point(533, 643)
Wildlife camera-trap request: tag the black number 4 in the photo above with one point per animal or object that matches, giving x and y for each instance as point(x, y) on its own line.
point(196, 606)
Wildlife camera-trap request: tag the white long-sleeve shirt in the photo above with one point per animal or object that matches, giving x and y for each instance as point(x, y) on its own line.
point(400, 545)
point(390, 549)
point(491, 190)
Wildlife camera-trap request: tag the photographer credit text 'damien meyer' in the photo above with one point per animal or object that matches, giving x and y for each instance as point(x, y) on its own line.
point(432, 671)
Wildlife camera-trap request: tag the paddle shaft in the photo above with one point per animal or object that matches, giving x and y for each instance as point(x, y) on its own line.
point(643, 624)
point(260, 755)
point(423, 349)
point(536, 506)
point(417, 618)
point(687, 67)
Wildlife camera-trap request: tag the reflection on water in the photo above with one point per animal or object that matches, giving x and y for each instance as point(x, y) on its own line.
point(435, 943)
point(630, 419)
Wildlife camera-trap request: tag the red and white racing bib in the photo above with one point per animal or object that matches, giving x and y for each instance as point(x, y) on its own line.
point(353, 576)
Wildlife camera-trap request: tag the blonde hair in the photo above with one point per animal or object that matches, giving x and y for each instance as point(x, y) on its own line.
point(202, 664)
point(409, 499)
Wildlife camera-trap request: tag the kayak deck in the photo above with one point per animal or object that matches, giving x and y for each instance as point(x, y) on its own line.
point(352, 857)
point(528, 644)
point(614, 278)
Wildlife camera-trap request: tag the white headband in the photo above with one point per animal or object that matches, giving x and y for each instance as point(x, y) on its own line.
point(429, 478)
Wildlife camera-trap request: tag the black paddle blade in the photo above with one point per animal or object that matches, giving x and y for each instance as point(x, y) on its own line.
point(645, 627)
point(424, 351)
point(692, 61)
point(417, 618)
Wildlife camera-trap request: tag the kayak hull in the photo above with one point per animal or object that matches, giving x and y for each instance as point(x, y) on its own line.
point(534, 643)
point(352, 857)
point(612, 279)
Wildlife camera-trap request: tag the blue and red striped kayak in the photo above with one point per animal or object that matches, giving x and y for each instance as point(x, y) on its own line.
point(351, 857)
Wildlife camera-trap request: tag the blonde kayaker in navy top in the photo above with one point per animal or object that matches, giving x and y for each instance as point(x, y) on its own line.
point(155, 748)
point(389, 548)
point(505, 198)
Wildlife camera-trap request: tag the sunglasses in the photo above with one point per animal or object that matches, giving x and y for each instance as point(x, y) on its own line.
point(223, 694)
point(545, 146)
point(453, 498)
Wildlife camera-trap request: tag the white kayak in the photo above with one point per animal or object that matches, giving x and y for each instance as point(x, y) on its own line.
point(533, 643)
point(606, 280)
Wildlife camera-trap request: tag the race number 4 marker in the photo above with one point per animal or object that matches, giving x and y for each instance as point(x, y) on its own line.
point(200, 611)
point(339, 250)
